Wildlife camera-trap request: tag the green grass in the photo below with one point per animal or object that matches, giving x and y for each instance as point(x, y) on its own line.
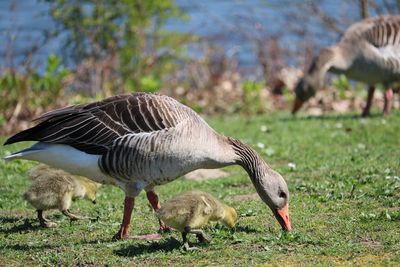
point(344, 206)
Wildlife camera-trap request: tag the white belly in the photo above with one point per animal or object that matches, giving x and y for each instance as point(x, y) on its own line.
point(66, 158)
point(382, 65)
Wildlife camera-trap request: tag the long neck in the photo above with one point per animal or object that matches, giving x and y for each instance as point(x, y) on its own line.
point(249, 159)
point(320, 65)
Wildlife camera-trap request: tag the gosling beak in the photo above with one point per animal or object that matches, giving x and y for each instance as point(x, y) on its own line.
point(94, 201)
point(297, 105)
point(282, 215)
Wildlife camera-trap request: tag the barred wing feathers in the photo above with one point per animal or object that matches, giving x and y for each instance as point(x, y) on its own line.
point(94, 127)
point(378, 31)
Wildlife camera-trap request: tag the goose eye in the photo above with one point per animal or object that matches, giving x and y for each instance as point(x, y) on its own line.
point(282, 194)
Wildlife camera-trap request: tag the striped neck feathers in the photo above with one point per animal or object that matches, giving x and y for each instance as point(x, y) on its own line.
point(336, 59)
point(320, 65)
point(270, 185)
point(249, 159)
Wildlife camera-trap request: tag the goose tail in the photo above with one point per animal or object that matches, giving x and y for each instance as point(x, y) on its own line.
point(25, 135)
point(26, 153)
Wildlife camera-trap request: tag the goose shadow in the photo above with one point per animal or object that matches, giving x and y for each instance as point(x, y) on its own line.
point(246, 229)
point(26, 225)
point(96, 241)
point(137, 249)
point(26, 247)
point(4, 220)
point(328, 117)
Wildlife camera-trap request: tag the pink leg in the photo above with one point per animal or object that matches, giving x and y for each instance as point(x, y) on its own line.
point(387, 101)
point(123, 232)
point(153, 199)
point(155, 203)
point(366, 111)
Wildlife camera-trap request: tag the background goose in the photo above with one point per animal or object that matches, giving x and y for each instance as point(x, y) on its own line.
point(140, 140)
point(368, 52)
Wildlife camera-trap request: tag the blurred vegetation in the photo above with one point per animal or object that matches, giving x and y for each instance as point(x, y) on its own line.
point(123, 41)
point(342, 84)
point(252, 100)
point(27, 94)
point(111, 47)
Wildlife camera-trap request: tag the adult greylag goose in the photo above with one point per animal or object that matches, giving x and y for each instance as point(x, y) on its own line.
point(368, 52)
point(140, 140)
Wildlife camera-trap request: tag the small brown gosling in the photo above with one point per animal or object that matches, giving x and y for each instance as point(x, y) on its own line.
point(190, 211)
point(55, 189)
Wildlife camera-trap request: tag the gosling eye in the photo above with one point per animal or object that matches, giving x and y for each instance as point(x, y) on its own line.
point(282, 194)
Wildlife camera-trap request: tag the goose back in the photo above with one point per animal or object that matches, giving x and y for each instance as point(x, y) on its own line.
point(92, 128)
point(143, 136)
point(161, 156)
point(370, 51)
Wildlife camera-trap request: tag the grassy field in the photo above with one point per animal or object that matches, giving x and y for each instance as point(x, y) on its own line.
point(345, 204)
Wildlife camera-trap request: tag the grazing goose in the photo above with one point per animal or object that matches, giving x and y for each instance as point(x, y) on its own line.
point(368, 52)
point(190, 211)
point(140, 140)
point(55, 189)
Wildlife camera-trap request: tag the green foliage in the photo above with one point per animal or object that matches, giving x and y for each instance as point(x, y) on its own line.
point(149, 83)
point(25, 92)
point(130, 31)
point(49, 86)
point(341, 84)
point(252, 101)
point(3, 120)
point(344, 204)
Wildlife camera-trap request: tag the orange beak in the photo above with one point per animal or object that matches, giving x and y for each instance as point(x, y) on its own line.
point(297, 105)
point(282, 215)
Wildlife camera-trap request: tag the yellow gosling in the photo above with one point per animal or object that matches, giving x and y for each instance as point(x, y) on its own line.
point(190, 211)
point(55, 189)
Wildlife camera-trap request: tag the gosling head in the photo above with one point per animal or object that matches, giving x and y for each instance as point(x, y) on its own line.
point(91, 196)
point(91, 190)
point(230, 217)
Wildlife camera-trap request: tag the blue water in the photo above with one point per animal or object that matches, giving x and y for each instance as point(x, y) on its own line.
point(230, 24)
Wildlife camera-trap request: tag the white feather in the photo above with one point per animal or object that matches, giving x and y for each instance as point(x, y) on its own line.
point(390, 51)
point(66, 158)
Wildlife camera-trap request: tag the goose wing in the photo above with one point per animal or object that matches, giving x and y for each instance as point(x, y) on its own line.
point(382, 38)
point(93, 127)
point(378, 31)
point(384, 32)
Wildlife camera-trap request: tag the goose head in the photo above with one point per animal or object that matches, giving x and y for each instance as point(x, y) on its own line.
point(270, 185)
point(305, 89)
point(314, 78)
point(273, 191)
point(303, 92)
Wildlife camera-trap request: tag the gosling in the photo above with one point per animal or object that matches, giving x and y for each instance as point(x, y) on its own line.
point(190, 211)
point(55, 189)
